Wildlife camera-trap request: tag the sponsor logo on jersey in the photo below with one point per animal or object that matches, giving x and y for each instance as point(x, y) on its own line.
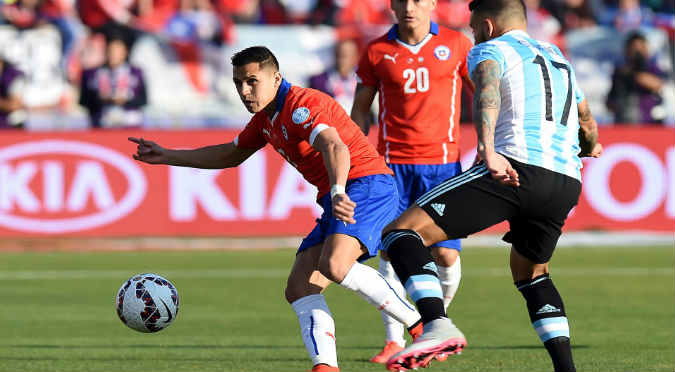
point(442, 52)
point(300, 115)
point(391, 58)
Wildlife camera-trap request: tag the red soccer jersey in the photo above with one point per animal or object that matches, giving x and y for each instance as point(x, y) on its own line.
point(302, 114)
point(420, 88)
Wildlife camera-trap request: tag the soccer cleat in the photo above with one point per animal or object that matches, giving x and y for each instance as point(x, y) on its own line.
point(389, 349)
point(416, 331)
point(440, 337)
point(325, 368)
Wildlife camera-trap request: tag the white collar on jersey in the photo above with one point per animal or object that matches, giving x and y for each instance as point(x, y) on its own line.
point(414, 49)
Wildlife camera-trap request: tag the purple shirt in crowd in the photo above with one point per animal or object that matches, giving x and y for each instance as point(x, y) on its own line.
point(101, 84)
point(9, 76)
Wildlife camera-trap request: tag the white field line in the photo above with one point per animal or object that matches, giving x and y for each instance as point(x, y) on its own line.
point(283, 273)
point(626, 239)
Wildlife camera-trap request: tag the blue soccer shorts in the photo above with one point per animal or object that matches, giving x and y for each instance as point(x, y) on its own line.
point(414, 180)
point(376, 198)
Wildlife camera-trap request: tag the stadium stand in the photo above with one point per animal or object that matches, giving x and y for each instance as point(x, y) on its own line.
point(183, 46)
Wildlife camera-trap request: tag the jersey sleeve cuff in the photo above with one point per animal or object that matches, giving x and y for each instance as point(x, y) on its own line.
point(315, 132)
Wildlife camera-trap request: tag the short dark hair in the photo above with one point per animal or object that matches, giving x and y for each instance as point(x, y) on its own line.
point(500, 8)
point(260, 54)
point(114, 34)
point(633, 36)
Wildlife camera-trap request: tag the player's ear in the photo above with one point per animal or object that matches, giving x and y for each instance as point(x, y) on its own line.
point(489, 25)
point(277, 79)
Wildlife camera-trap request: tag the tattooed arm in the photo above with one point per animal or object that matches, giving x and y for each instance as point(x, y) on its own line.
point(588, 132)
point(486, 105)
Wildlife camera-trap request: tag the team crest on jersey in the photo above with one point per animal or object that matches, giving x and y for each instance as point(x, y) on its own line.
point(284, 132)
point(442, 52)
point(300, 115)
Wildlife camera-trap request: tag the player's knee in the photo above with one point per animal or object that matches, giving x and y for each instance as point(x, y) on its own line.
point(523, 268)
point(393, 225)
point(295, 289)
point(333, 269)
point(290, 294)
point(445, 256)
point(294, 292)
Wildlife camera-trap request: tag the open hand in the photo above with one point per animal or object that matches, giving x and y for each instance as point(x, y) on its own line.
point(149, 152)
point(343, 208)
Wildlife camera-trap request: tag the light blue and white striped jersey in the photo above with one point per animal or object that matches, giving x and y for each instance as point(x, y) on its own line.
point(538, 122)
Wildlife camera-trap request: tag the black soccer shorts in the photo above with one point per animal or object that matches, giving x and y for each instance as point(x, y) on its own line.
point(536, 210)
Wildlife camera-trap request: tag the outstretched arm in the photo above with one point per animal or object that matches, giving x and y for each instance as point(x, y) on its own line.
point(588, 132)
point(226, 155)
point(486, 104)
point(337, 161)
point(363, 99)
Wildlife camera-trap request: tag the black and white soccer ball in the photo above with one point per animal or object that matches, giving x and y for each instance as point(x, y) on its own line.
point(147, 303)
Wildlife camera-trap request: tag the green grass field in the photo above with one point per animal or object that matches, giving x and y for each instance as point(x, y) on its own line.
point(57, 313)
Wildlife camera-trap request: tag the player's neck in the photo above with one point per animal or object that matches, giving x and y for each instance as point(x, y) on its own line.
point(510, 27)
point(344, 73)
point(413, 36)
point(271, 107)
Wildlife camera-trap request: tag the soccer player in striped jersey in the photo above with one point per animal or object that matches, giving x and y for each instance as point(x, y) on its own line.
point(356, 190)
point(533, 125)
point(418, 68)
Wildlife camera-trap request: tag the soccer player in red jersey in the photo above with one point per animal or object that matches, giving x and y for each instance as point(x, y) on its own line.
point(417, 68)
point(356, 190)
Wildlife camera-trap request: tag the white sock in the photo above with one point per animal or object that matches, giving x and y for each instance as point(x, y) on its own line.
point(317, 328)
point(392, 327)
point(370, 285)
point(450, 277)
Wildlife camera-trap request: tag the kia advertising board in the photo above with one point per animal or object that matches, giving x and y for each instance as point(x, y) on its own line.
point(87, 184)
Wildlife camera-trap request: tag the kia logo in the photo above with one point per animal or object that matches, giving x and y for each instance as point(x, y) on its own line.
point(89, 179)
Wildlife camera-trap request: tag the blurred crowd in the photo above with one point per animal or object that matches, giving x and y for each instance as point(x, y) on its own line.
point(96, 37)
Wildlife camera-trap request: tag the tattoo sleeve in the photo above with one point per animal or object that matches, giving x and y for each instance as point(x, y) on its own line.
point(588, 129)
point(486, 103)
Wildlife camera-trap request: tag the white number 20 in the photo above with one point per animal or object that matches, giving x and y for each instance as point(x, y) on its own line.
point(422, 75)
